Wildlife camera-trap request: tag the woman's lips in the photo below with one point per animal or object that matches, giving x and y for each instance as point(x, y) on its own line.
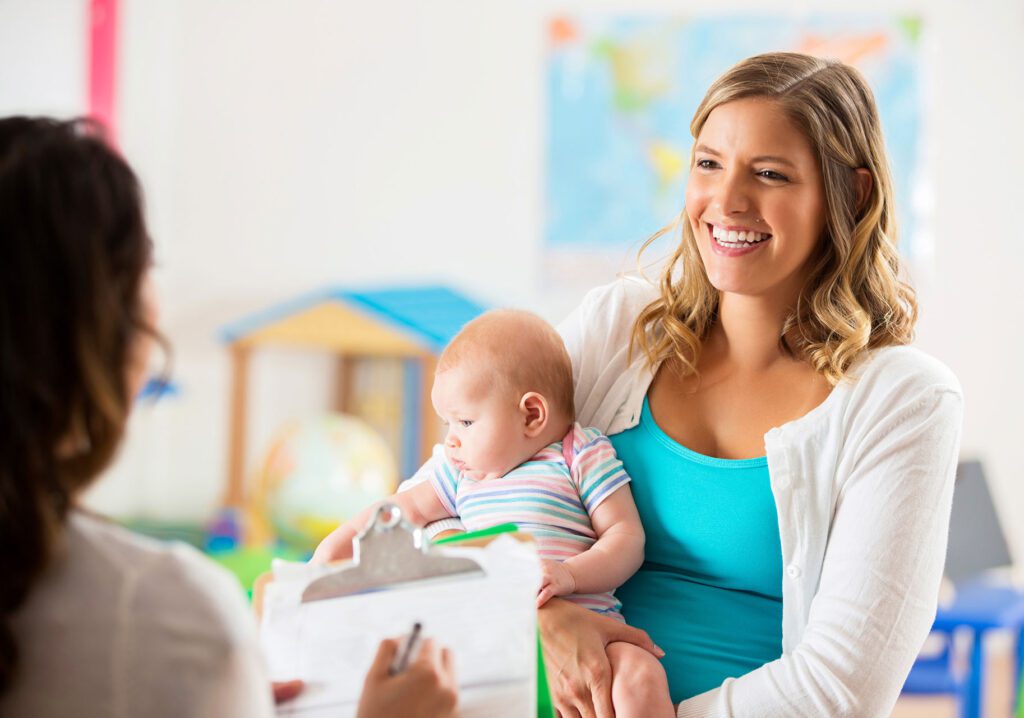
point(724, 251)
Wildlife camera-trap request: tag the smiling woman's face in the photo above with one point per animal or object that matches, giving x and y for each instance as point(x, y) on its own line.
point(755, 200)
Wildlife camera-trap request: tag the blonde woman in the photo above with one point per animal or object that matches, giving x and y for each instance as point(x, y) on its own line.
point(792, 457)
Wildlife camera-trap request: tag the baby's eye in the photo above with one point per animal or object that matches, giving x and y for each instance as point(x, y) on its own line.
point(466, 422)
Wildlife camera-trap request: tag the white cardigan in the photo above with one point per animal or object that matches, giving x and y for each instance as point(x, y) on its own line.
point(863, 485)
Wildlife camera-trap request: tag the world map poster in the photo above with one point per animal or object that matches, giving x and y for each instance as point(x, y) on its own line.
point(621, 92)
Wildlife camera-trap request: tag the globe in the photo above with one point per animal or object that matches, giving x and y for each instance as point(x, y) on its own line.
point(319, 472)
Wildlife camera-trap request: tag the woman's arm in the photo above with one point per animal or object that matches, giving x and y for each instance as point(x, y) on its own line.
point(187, 642)
point(574, 640)
point(879, 583)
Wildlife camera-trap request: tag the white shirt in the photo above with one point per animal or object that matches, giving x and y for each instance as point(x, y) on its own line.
point(119, 626)
point(863, 486)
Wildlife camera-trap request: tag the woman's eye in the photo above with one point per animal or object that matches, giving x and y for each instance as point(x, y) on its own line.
point(707, 164)
point(773, 175)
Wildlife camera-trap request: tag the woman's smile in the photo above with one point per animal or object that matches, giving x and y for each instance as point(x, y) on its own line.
point(732, 241)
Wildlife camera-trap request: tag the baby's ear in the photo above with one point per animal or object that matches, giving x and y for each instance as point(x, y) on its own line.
point(534, 409)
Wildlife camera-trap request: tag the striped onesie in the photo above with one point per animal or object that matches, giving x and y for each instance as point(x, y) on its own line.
point(551, 496)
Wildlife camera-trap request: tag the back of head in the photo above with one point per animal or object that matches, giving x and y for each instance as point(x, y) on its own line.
point(520, 352)
point(75, 251)
point(854, 298)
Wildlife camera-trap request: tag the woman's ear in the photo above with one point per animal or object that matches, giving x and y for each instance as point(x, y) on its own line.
point(863, 182)
point(534, 408)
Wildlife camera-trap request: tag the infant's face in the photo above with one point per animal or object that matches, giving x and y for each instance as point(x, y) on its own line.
point(486, 431)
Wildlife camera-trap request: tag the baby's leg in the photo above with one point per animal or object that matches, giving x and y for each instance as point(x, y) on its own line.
point(639, 683)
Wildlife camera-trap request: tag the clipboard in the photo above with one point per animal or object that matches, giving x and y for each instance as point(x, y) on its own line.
point(475, 594)
point(545, 706)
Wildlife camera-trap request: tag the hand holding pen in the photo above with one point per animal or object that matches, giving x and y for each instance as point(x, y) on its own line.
point(408, 650)
point(405, 682)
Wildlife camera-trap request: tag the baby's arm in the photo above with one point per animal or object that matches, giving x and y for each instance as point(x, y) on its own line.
point(419, 505)
point(614, 557)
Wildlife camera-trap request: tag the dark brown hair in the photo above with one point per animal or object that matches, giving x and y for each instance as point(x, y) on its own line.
point(75, 251)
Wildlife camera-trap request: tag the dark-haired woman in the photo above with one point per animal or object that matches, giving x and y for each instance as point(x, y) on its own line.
point(95, 621)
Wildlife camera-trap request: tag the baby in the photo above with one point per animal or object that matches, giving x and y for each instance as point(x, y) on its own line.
point(513, 453)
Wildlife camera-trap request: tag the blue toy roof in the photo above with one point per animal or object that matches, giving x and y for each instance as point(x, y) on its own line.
point(431, 314)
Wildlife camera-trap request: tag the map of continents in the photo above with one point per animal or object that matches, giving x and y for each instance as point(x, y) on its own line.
point(621, 93)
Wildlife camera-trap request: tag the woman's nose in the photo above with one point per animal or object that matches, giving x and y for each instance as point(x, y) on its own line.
point(732, 195)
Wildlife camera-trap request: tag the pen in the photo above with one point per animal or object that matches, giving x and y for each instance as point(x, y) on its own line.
point(403, 657)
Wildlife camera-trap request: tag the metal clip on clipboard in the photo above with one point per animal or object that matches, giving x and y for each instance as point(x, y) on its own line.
point(388, 553)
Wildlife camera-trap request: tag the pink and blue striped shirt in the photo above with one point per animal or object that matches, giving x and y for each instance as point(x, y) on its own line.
point(551, 496)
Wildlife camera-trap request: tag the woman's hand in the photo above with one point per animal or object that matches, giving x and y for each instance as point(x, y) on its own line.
point(574, 641)
point(426, 689)
point(286, 690)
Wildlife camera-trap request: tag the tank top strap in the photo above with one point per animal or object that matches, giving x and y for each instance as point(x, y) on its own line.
point(567, 445)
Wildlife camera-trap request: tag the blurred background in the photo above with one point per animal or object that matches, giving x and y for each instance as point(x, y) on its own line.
point(504, 154)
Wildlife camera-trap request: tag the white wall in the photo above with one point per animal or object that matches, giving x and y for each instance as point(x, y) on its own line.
point(977, 290)
point(42, 57)
point(288, 145)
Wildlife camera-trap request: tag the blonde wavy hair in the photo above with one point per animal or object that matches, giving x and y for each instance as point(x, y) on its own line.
point(854, 299)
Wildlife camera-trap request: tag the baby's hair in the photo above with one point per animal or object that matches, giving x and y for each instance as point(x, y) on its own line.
point(522, 353)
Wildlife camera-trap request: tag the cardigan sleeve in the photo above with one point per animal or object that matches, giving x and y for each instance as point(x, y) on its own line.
point(877, 595)
point(597, 336)
point(576, 331)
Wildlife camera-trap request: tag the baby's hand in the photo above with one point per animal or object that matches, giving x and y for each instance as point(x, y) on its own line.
point(336, 547)
point(556, 580)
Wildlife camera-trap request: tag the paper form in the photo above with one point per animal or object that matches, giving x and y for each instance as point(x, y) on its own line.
point(489, 624)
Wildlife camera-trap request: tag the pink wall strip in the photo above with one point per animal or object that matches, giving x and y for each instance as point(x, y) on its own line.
point(103, 22)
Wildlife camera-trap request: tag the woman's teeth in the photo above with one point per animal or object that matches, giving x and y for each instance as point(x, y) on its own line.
point(732, 239)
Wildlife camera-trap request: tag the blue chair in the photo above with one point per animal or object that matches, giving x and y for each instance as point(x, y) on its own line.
point(940, 671)
point(976, 544)
point(979, 607)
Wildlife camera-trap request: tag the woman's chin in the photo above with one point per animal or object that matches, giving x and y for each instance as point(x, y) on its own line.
point(734, 285)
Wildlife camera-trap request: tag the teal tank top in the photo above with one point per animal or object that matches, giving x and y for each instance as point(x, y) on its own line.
point(710, 588)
